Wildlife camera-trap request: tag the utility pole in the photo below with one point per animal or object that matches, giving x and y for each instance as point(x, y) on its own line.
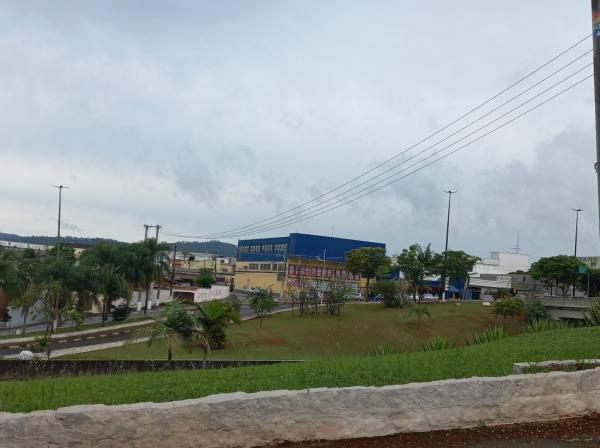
point(146, 226)
point(596, 42)
point(173, 270)
point(576, 210)
point(445, 274)
point(60, 189)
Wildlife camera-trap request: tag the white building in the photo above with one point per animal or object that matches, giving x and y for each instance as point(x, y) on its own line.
point(502, 263)
point(493, 273)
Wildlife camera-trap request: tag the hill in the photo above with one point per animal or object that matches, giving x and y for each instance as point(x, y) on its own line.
point(214, 247)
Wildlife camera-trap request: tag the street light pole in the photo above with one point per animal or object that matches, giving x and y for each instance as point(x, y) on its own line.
point(576, 210)
point(445, 274)
point(60, 189)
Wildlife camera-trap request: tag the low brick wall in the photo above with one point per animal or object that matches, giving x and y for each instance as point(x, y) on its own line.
point(12, 369)
point(248, 420)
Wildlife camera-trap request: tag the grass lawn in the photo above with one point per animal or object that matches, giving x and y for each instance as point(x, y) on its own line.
point(491, 359)
point(358, 330)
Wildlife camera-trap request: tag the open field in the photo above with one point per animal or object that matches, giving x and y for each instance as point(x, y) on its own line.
point(358, 330)
point(490, 359)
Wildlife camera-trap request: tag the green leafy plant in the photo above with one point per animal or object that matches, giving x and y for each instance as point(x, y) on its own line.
point(120, 313)
point(488, 335)
point(262, 303)
point(536, 311)
point(418, 312)
point(539, 325)
point(383, 350)
point(205, 278)
point(592, 316)
point(508, 308)
point(436, 343)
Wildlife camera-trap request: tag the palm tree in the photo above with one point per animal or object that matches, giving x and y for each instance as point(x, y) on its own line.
point(419, 311)
point(214, 318)
point(177, 327)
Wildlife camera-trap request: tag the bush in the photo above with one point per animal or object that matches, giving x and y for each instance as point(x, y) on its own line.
point(491, 334)
point(437, 343)
point(510, 307)
point(205, 278)
point(120, 313)
point(390, 295)
point(536, 312)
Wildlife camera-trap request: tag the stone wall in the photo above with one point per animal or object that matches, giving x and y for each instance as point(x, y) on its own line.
point(246, 420)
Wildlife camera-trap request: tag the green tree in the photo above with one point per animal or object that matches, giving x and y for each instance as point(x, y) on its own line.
point(594, 282)
point(205, 278)
point(418, 311)
point(368, 262)
point(508, 308)
point(215, 317)
point(176, 327)
point(261, 303)
point(416, 263)
point(557, 272)
point(336, 294)
point(459, 265)
point(390, 293)
point(65, 251)
point(105, 262)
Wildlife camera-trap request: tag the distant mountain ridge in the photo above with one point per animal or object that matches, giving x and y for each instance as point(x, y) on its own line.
point(214, 247)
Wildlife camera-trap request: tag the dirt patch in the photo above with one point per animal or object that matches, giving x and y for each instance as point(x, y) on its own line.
point(581, 432)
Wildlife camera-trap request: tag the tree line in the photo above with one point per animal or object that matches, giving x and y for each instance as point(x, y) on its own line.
point(64, 287)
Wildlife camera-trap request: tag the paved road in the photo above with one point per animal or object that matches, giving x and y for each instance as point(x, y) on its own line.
point(103, 336)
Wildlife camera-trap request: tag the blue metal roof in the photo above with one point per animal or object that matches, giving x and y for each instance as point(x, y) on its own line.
point(305, 246)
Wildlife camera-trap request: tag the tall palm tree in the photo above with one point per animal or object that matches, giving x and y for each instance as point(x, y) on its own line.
point(177, 327)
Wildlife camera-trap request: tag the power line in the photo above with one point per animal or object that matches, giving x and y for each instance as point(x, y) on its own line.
point(205, 236)
point(344, 201)
point(258, 227)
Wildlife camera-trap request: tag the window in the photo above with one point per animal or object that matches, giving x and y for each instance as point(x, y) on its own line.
point(267, 248)
point(265, 266)
point(243, 249)
point(280, 247)
point(253, 266)
point(280, 276)
point(255, 248)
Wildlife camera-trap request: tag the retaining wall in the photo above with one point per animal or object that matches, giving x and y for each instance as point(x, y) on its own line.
point(246, 420)
point(13, 369)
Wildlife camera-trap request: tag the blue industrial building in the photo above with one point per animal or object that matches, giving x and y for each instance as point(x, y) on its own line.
point(285, 264)
point(299, 245)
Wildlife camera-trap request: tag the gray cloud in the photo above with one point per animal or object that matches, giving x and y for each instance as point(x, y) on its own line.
point(203, 116)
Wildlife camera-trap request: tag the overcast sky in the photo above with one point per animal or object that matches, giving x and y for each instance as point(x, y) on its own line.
point(206, 116)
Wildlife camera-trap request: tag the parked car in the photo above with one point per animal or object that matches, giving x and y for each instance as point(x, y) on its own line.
point(428, 297)
point(487, 298)
point(356, 295)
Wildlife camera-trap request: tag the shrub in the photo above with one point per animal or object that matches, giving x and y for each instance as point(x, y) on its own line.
point(488, 335)
point(390, 294)
point(205, 278)
point(437, 343)
point(536, 312)
point(592, 317)
point(120, 313)
point(510, 307)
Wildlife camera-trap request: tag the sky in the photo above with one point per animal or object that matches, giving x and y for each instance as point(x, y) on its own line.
point(206, 116)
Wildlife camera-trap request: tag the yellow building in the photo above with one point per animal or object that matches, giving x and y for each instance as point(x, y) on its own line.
point(298, 261)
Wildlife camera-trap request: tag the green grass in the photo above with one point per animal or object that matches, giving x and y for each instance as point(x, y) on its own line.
point(359, 329)
point(489, 359)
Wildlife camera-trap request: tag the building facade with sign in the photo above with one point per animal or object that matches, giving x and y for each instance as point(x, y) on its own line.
point(287, 264)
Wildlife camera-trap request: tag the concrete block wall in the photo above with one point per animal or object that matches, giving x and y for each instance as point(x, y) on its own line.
point(248, 420)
